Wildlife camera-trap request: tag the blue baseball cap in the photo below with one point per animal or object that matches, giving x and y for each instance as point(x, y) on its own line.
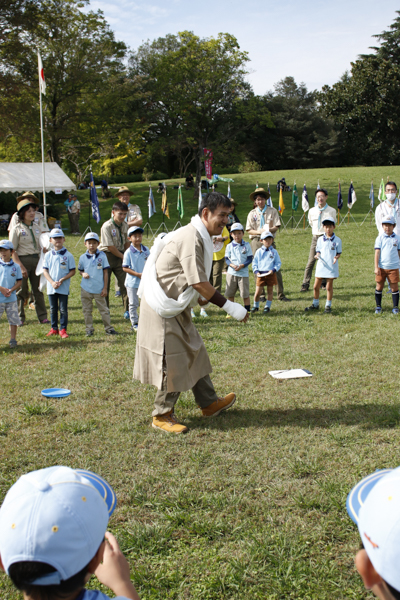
point(6, 245)
point(56, 516)
point(56, 232)
point(92, 236)
point(389, 220)
point(134, 229)
point(374, 505)
point(266, 234)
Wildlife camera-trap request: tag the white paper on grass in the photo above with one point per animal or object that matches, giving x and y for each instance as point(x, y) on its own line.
point(290, 374)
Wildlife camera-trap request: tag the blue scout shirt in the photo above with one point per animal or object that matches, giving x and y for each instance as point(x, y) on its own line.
point(389, 246)
point(266, 259)
point(93, 265)
point(58, 263)
point(10, 273)
point(239, 254)
point(135, 260)
point(329, 248)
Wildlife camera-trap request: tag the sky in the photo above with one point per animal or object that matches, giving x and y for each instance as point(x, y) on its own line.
point(313, 41)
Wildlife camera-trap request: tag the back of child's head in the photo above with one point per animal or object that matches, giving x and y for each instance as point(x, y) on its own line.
point(52, 524)
point(374, 505)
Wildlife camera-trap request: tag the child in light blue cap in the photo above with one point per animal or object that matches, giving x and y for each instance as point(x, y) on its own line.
point(10, 281)
point(53, 536)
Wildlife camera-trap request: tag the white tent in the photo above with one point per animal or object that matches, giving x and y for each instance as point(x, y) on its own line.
point(23, 177)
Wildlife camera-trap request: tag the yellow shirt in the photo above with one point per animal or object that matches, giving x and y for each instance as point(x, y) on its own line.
point(220, 246)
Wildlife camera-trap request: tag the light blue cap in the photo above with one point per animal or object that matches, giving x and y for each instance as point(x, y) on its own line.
point(6, 244)
point(91, 236)
point(389, 220)
point(266, 234)
point(57, 516)
point(56, 232)
point(237, 227)
point(133, 229)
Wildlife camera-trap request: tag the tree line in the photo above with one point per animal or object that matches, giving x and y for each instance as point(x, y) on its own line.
point(155, 108)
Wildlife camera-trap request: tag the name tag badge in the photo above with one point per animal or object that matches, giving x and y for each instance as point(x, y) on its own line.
point(113, 232)
point(99, 266)
point(12, 274)
point(37, 231)
point(23, 232)
point(244, 251)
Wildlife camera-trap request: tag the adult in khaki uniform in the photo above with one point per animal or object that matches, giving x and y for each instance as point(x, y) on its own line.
point(257, 219)
point(114, 242)
point(170, 353)
point(25, 238)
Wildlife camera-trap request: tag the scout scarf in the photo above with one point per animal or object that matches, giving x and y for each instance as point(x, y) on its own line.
point(395, 207)
point(119, 229)
point(151, 289)
point(262, 213)
point(320, 215)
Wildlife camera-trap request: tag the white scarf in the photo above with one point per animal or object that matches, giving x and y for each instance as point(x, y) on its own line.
point(151, 289)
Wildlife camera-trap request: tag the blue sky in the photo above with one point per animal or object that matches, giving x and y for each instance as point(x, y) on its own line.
point(313, 41)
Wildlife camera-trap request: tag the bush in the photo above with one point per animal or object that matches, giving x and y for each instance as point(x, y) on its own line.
point(249, 166)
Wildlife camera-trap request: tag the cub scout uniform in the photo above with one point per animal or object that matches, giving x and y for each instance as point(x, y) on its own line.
point(134, 213)
point(115, 235)
point(389, 246)
point(266, 259)
point(10, 273)
point(328, 248)
point(315, 218)
point(94, 265)
point(238, 254)
point(58, 263)
point(134, 259)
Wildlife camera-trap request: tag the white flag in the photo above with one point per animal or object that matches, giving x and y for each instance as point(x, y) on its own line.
point(304, 200)
point(42, 83)
point(200, 195)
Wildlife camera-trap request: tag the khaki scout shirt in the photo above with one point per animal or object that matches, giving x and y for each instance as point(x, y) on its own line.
point(113, 235)
point(39, 220)
point(76, 207)
point(25, 238)
point(271, 218)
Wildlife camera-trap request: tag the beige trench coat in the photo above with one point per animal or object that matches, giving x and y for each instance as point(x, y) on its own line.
point(180, 264)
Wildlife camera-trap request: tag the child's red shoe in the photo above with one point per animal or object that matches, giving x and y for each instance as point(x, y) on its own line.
point(52, 332)
point(63, 333)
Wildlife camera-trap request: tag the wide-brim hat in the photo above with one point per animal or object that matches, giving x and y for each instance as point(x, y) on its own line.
point(26, 196)
point(25, 203)
point(124, 190)
point(259, 192)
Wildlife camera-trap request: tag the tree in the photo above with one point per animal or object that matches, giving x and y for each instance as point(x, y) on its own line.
point(192, 87)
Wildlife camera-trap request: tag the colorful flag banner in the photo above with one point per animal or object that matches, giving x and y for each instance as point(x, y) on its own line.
point(200, 196)
point(382, 195)
point(351, 198)
point(42, 82)
point(179, 205)
point(219, 178)
point(152, 204)
point(295, 198)
point(94, 200)
point(164, 202)
point(229, 191)
point(304, 200)
point(281, 204)
point(372, 196)
point(208, 157)
point(339, 198)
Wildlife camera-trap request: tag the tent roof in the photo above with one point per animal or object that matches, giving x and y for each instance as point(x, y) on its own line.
point(22, 177)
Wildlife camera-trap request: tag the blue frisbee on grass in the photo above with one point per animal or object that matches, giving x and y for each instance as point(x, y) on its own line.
point(55, 393)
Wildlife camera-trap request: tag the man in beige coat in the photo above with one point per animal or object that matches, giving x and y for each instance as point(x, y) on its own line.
point(170, 353)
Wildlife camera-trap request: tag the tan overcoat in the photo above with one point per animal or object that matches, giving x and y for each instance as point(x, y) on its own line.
point(180, 264)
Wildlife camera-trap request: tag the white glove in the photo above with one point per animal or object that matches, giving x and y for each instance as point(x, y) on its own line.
point(237, 311)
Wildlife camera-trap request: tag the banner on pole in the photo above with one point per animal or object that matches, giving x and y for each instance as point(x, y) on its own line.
point(42, 82)
point(208, 157)
point(94, 200)
point(152, 204)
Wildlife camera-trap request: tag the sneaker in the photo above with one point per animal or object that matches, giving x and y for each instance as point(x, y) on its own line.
point(13, 343)
point(304, 287)
point(254, 309)
point(263, 298)
point(134, 327)
point(45, 322)
point(63, 332)
point(284, 299)
point(267, 309)
point(328, 309)
point(203, 313)
point(378, 310)
point(168, 423)
point(312, 307)
point(52, 332)
point(219, 405)
point(126, 314)
point(192, 313)
point(117, 294)
point(89, 333)
point(395, 311)
point(111, 331)
point(32, 306)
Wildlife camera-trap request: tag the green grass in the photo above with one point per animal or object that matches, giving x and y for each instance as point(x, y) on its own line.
point(250, 504)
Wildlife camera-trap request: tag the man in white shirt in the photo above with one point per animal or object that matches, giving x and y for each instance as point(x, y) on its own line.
point(316, 215)
point(389, 208)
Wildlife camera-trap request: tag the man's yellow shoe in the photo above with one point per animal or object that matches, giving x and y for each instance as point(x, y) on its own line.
point(168, 423)
point(219, 405)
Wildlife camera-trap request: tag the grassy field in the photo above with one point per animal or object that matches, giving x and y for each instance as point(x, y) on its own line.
point(252, 503)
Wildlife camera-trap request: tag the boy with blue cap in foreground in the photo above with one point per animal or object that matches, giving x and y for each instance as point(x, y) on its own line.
point(387, 263)
point(53, 536)
point(10, 281)
point(133, 264)
point(374, 506)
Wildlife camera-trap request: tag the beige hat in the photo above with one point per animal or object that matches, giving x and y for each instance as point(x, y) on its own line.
point(124, 190)
point(259, 192)
point(26, 195)
point(25, 203)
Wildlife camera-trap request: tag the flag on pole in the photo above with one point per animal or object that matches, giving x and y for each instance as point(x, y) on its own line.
point(351, 198)
point(200, 196)
point(304, 200)
point(152, 204)
point(94, 200)
point(229, 191)
point(295, 198)
point(339, 198)
point(164, 202)
point(179, 205)
point(281, 204)
point(269, 201)
point(382, 195)
point(42, 82)
point(372, 195)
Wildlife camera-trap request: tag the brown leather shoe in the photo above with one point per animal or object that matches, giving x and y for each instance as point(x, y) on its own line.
point(168, 423)
point(219, 405)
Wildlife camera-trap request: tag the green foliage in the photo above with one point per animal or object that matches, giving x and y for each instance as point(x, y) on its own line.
point(249, 166)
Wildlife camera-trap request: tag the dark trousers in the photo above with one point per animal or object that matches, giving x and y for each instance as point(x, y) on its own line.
point(30, 263)
point(58, 302)
point(116, 267)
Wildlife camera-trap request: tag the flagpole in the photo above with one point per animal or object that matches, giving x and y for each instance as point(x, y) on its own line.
point(41, 139)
